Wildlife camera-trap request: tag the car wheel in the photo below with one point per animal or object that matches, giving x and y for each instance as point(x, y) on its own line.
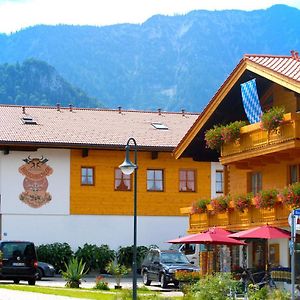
point(40, 274)
point(146, 281)
point(163, 281)
point(16, 281)
point(31, 281)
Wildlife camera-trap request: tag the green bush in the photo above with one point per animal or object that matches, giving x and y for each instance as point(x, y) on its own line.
point(124, 255)
point(212, 287)
point(57, 254)
point(95, 257)
point(101, 284)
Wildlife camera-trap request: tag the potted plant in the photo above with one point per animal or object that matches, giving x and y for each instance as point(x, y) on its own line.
point(199, 206)
point(243, 202)
point(291, 195)
point(220, 204)
point(272, 118)
point(266, 199)
point(118, 271)
point(219, 134)
point(75, 270)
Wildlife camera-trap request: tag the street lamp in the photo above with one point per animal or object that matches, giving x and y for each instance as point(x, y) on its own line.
point(127, 167)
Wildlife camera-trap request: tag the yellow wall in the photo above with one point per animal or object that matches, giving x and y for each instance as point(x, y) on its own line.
point(273, 176)
point(103, 199)
point(284, 97)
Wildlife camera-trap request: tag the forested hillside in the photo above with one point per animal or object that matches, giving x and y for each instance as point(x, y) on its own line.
point(37, 83)
point(168, 62)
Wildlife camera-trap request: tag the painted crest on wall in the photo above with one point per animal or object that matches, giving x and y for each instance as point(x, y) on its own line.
point(35, 182)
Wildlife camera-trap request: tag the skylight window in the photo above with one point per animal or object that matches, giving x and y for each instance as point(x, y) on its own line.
point(28, 120)
point(158, 125)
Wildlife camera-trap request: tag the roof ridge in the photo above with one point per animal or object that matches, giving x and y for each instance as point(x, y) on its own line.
point(98, 109)
point(267, 55)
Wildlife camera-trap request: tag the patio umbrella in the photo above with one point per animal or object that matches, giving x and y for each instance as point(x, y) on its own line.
point(213, 236)
point(262, 232)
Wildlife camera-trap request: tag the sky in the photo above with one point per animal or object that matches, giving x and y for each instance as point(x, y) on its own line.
point(19, 14)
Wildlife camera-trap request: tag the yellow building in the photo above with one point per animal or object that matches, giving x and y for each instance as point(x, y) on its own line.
point(60, 181)
point(259, 160)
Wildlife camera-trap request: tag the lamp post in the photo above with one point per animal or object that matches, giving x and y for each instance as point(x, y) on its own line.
point(127, 167)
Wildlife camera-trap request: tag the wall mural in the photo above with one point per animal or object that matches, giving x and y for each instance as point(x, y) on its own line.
point(35, 182)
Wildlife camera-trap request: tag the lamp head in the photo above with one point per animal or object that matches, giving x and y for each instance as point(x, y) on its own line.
point(127, 167)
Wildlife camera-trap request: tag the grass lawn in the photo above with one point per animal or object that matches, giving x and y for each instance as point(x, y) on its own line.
point(86, 293)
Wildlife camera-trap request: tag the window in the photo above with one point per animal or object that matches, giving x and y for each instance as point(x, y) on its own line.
point(155, 180)
point(122, 181)
point(293, 174)
point(187, 180)
point(87, 175)
point(255, 182)
point(219, 181)
point(157, 125)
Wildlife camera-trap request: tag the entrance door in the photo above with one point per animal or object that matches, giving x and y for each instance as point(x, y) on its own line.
point(259, 254)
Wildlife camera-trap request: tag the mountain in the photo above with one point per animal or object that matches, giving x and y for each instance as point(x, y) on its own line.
point(37, 83)
point(168, 62)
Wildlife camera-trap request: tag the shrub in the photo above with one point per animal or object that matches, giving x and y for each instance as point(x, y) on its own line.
point(266, 199)
point(125, 254)
point(199, 206)
point(213, 287)
point(74, 272)
point(291, 195)
point(220, 204)
point(243, 202)
point(57, 254)
point(271, 119)
point(101, 284)
point(117, 270)
point(94, 257)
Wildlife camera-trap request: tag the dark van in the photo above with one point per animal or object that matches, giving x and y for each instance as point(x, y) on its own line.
point(18, 261)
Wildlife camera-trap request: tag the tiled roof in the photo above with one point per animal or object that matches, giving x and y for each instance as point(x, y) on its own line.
point(91, 127)
point(288, 66)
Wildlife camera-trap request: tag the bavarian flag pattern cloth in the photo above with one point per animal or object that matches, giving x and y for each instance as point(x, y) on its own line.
point(251, 101)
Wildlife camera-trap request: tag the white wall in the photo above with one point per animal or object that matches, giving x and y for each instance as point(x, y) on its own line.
point(76, 230)
point(215, 166)
point(11, 182)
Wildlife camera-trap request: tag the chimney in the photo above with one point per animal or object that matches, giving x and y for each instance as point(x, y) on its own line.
point(58, 106)
point(296, 55)
point(183, 112)
point(71, 107)
point(119, 108)
point(159, 111)
point(292, 53)
point(23, 110)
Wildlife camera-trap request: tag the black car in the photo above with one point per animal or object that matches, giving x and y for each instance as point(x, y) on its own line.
point(45, 270)
point(18, 261)
point(161, 265)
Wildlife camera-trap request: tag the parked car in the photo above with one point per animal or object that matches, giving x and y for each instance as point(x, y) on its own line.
point(45, 270)
point(161, 265)
point(18, 261)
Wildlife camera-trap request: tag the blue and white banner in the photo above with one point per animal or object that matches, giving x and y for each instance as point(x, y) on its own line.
point(251, 101)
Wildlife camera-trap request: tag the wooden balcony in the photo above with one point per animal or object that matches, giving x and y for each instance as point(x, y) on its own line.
point(255, 142)
point(235, 220)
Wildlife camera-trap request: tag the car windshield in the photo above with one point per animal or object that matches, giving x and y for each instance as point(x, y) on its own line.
point(171, 258)
point(14, 249)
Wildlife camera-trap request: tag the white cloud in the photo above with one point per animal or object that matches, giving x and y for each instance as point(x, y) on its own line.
point(17, 14)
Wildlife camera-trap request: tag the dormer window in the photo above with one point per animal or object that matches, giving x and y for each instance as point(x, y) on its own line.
point(158, 125)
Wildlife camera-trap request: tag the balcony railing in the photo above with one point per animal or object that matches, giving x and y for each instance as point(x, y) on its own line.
point(253, 138)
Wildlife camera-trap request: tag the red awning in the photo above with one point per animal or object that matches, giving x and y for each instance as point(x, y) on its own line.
point(262, 232)
point(213, 236)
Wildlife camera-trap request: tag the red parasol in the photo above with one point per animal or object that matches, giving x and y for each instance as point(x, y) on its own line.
point(213, 236)
point(262, 232)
